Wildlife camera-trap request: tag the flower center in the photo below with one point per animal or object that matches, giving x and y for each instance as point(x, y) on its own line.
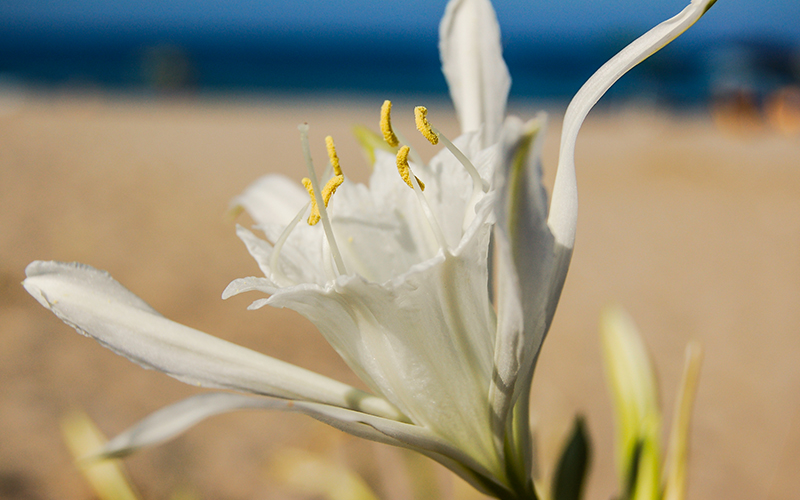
point(433, 136)
point(320, 197)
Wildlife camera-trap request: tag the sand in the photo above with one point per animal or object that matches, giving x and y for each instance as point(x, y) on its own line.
point(695, 231)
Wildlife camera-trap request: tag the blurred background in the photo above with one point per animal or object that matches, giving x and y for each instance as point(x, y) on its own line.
point(126, 127)
point(357, 46)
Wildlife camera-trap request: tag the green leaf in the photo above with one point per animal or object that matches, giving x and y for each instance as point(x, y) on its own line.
point(633, 471)
point(634, 392)
point(573, 465)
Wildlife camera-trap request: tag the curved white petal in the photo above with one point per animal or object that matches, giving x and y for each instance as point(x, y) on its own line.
point(175, 419)
point(564, 206)
point(472, 62)
point(172, 420)
point(526, 268)
point(96, 305)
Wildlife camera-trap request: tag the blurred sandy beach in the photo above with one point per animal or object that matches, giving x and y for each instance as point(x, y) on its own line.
point(694, 230)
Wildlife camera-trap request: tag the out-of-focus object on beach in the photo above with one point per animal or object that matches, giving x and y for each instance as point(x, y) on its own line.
point(755, 86)
point(783, 109)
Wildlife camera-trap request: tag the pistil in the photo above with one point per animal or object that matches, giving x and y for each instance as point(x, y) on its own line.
point(317, 196)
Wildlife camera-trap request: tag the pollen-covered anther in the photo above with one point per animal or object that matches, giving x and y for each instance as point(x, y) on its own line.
point(330, 188)
point(405, 169)
point(334, 158)
point(314, 216)
point(327, 192)
point(386, 124)
point(421, 119)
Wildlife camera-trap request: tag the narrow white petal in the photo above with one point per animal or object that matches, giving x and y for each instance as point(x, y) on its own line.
point(564, 207)
point(96, 305)
point(175, 419)
point(525, 256)
point(172, 420)
point(472, 62)
point(259, 249)
point(252, 283)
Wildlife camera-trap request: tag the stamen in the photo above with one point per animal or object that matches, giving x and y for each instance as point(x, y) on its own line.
point(314, 216)
point(317, 196)
point(462, 158)
point(330, 187)
point(418, 187)
point(392, 137)
point(337, 170)
point(405, 169)
point(420, 117)
point(279, 278)
point(478, 186)
point(386, 124)
point(433, 135)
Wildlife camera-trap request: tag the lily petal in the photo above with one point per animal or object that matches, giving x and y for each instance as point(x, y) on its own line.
point(173, 420)
point(524, 251)
point(525, 256)
point(564, 206)
point(472, 62)
point(272, 200)
point(98, 306)
point(415, 341)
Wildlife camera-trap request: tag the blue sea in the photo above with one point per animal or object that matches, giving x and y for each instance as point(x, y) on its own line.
point(553, 68)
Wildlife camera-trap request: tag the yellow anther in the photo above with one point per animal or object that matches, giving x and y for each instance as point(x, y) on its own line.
point(386, 124)
point(314, 217)
point(327, 192)
point(337, 170)
point(330, 188)
point(405, 170)
point(421, 119)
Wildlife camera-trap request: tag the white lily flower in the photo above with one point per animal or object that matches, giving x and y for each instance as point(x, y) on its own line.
point(396, 279)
